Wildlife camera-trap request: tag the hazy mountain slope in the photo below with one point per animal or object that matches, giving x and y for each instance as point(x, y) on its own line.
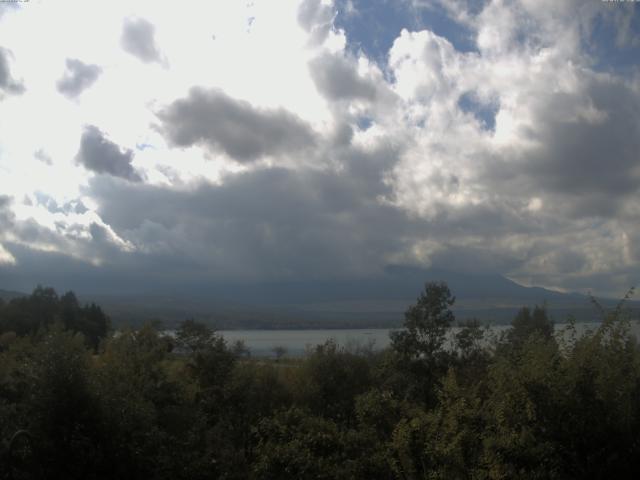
point(378, 301)
point(372, 302)
point(7, 295)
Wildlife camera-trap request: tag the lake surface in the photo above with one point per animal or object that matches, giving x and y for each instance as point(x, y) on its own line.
point(261, 343)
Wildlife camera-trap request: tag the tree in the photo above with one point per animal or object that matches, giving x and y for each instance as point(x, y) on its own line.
point(472, 356)
point(139, 404)
point(527, 323)
point(279, 351)
point(93, 323)
point(26, 315)
point(193, 336)
point(426, 323)
point(419, 360)
point(64, 413)
point(209, 359)
point(295, 444)
point(468, 340)
point(330, 379)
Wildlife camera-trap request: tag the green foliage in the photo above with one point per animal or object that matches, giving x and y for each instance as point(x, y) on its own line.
point(295, 444)
point(426, 323)
point(194, 336)
point(419, 358)
point(469, 339)
point(530, 404)
point(27, 315)
point(63, 405)
point(528, 323)
point(46, 388)
point(329, 380)
point(136, 397)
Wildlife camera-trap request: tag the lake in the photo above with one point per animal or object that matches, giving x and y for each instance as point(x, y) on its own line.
point(296, 342)
point(261, 343)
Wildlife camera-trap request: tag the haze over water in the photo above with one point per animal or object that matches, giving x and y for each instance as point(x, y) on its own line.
point(261, 343)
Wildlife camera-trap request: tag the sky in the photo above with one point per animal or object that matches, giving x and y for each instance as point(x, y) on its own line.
point(159, 144)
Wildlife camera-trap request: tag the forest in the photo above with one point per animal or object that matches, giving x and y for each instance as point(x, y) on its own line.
point(79, 400)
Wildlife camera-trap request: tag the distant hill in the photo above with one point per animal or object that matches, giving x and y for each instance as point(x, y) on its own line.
point(7, 295)
point(345, 303)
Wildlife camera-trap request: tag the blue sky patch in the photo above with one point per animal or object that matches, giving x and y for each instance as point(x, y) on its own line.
point(374, 25)
point(485, 113)
point(143, 146)
point(609, 55)
point(364, 123)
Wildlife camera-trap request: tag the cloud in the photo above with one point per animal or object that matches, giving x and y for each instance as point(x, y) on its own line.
point(337, 79)
point(6, 7)
point(6, 222)
point(595, 150)
point(73, 232)
point(265, 223)
point(582, 150)
point(78, 77)
point(480, 136)
point(210, 118)
point(48, 202)
point(317, 19)
point(6, 257)
point(42, 156)
point(101, 155)
point(138, 39)
point(7, 82)
point(5, 212)
point(277, 224)
point(623, 20)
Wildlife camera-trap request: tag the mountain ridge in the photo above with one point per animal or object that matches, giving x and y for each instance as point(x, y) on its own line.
point(8, 295)
point(378, 301)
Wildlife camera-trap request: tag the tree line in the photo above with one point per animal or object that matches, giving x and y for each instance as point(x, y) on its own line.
point(25, 316)
point(77, 401)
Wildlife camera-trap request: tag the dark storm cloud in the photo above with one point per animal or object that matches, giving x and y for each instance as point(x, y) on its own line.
point(272, 195)
point(337, 79)
point(586, 161)
point(31, 232)
point(221, 123)
point(101, 155)
point(265, 223)
point(78, 77)
point(591, 156)
point(7, 82)
point(49, 268)
point(102, 240)
point(276, 224)
point(270, 224)
point(138, 39)
point(473, 259)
